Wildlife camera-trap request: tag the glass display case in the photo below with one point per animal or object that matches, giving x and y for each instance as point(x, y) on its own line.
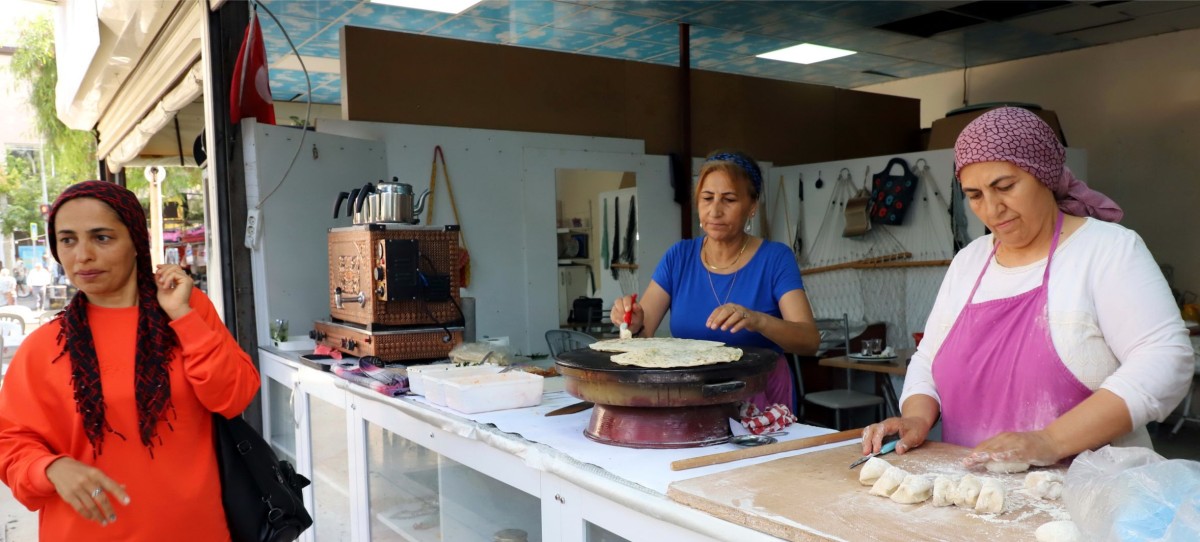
point(390, 471)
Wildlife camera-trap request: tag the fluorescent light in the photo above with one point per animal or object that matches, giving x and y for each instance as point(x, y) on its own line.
point(314, 64)
point(444, 6)
point(806, 53)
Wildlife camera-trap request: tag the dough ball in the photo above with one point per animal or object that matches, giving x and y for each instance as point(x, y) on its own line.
point(944, 490)
point(872, 470)
point(1044, 485)
point(1007, 467)
point(1058, 531)
point(991, 497)
point(915, 489)
point(967, 492)
point(889, 481)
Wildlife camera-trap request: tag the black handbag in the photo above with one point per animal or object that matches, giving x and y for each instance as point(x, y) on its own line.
point(892, 195)
point(260, 493)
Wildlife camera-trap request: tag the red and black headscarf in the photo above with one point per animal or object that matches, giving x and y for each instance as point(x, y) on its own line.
point(156, 341)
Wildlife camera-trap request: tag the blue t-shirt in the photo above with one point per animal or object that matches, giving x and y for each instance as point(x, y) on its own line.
point(770, 273)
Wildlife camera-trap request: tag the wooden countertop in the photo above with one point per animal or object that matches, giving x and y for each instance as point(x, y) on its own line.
point(897, 366)
point(816, 497)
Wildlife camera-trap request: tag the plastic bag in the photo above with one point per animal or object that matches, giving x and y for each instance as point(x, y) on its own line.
point(474, 354)
point(1121, 494)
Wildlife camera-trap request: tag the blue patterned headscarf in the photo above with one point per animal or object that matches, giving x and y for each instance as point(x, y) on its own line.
point(744, 162)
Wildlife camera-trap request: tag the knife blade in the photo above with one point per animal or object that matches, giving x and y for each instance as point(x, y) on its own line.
point(885, 449)
point(571, 409)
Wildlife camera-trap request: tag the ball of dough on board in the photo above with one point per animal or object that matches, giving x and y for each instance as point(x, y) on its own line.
point(991, 497)
point(915, 489)
point(944, 489)
point(967, 492)
point(887, 484)
point(872, 470)
point(1044, 485)
point(1007, 467)
point(1058, 531)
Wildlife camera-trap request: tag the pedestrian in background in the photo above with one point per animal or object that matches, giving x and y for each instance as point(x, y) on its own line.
point(8, 287)
point(39, 279)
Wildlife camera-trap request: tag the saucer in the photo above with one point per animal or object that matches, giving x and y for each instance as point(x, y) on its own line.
point(871, 359)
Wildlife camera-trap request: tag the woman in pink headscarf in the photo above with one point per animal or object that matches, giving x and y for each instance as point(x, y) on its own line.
point(1054, 334)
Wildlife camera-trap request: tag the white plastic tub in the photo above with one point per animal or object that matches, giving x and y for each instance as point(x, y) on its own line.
point(488, 392)
point(417, 374)
point(435, 381)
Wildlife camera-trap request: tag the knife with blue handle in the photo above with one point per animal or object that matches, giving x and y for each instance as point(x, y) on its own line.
point(885, 449)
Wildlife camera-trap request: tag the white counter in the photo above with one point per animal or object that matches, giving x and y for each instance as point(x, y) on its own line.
point(587, 491)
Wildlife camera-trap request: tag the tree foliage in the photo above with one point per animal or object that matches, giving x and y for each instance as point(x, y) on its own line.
point(73, 152)
point(70, 155)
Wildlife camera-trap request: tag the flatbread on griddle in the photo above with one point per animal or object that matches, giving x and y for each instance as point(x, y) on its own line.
point(659, 358)
point(661, 343)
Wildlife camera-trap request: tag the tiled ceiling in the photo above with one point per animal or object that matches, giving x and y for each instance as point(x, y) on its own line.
point(894, 39)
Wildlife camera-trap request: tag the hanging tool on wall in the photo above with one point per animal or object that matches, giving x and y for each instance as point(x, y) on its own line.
point(604, 238)
point(798, 236)
point(463, 265)
point(616, 248)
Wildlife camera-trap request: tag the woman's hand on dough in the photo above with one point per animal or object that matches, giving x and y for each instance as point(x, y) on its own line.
point(86, 489)
point(174, 290)
point(912, 430)
point(733, 318)
point(1033, 447)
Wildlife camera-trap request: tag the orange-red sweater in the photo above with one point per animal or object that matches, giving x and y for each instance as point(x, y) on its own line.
point(176, 495)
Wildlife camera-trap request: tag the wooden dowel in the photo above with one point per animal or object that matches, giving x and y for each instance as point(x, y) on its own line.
point(768, 449)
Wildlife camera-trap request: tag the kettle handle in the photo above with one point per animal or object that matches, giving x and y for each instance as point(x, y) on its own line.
point(351, 201)
point(368, 188)
point(337, 204)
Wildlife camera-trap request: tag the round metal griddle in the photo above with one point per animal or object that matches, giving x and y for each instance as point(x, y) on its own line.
point(682, 407)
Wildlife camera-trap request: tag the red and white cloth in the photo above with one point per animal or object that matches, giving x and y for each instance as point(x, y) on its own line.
point(774, 418)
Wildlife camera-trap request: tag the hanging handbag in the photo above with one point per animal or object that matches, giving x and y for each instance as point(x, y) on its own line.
point(857, 211)
point(892, 195)
point(259, 492)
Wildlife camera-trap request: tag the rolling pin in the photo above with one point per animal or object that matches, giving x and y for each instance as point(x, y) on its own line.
point(768, 449)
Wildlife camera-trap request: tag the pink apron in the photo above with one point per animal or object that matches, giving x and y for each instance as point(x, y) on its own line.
point(998, 370)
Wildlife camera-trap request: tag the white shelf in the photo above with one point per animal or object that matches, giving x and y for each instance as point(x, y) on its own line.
point(575, 230)
point(574, 261)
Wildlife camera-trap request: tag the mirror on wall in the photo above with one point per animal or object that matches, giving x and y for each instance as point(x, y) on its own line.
point(591, 206)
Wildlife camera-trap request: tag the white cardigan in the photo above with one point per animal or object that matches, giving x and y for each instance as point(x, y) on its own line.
point(1112, 319)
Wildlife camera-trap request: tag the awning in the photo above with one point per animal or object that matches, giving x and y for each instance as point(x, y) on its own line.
point(126, 68)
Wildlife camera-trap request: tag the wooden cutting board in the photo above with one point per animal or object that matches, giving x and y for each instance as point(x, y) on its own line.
point(816, 497)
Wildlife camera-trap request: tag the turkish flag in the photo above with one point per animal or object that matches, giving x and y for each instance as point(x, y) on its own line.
point(250, 95)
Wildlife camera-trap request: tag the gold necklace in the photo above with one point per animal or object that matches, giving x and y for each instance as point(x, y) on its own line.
point(727, 293)
point(731, 264)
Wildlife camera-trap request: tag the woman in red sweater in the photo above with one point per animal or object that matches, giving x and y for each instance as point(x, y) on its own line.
point(105, 413)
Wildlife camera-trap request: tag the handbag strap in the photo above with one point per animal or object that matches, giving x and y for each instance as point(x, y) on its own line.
point(903, 166)
point(438, 154)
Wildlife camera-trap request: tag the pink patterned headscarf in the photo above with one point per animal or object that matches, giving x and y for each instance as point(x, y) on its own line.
point(1019, 137)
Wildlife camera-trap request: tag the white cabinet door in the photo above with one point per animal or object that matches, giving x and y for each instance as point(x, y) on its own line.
point(325, 452)
point(573, 282)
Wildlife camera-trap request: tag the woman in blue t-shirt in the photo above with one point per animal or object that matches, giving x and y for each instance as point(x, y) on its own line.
point(728, 285)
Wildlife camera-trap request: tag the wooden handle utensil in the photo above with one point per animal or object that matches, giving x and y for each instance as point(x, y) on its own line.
point(768, 449)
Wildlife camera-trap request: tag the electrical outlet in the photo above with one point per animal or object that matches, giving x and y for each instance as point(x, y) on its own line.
point(252, 223)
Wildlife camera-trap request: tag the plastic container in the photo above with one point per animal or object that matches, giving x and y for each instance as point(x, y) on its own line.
point(435, 382)
point(488, 392)
point(417, 373)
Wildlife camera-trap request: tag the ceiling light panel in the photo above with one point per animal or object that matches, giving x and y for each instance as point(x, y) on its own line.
point(443, 6)
point(806, 53)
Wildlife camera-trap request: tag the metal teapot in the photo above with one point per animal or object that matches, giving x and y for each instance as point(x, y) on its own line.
point(394, 202)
